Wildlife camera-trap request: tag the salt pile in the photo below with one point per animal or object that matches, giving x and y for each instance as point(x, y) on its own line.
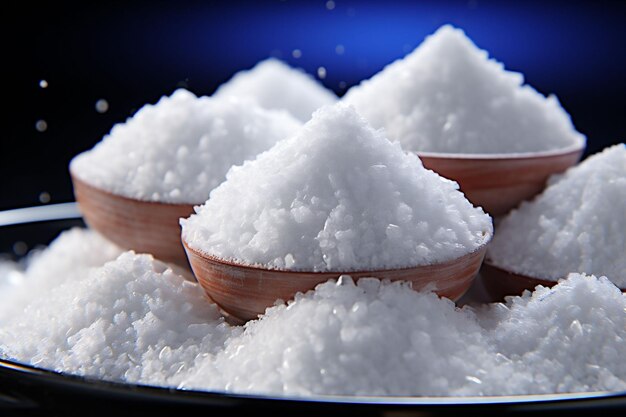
point(570, 338)
point(336, 196)
point(369, 338)
point(578, 224)
point(275, 85)
point(177, 150)
point(448, 96)
point(68, 258)
point(377, 338)
point(132, 319)
point(136, 320)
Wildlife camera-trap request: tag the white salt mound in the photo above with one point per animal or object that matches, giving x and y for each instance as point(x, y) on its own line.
point(132, 320)
point(68, 258)
point(136, 320)
point(571, 338)
point(448, 96)
point(336, 196)
point(377, 338)
point(177, 150)
point(275, 85)
point(578, 224)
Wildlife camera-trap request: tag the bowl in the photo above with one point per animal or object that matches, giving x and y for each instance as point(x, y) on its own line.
point(499, 182)
point(243, 292)
point(500, 282)
point(143, 226)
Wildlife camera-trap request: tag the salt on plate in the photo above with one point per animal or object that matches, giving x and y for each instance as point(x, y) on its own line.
point(447, 96)
point(132, 319)
point(66, 259)
point(177, 150)
point(382, 338)
point(135, 320)
point(275, 85)
point(577, 224)
point(336, 196)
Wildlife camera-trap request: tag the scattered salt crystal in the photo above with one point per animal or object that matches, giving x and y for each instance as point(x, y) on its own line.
point(448, 96)
point(336, 196)
point(177, 150)
point(275, 85)
point(577, 224)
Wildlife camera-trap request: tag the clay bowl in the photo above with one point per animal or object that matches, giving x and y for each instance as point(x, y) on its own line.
point(143, 226)
point(244, 292)
point(499, 282)
point(499, 182)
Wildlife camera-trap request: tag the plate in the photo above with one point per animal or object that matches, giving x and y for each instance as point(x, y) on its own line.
point(27, 389)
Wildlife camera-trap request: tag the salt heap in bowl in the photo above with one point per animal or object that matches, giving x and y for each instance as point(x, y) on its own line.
point(148, 172)
point(275, 85)
point(336, 197)
point(470, 120)
point(447, 96)
point(576, 225)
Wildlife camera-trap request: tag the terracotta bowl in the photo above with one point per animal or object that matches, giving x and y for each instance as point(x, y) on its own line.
point(244, 292)
point(498, 282)
point(143, 226)
point(499, 182)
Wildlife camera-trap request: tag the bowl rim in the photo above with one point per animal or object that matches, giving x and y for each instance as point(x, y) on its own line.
point(571, 149)
point(259, 267)
point(489, 263)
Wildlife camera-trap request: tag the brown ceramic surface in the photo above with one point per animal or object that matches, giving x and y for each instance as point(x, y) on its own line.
point(145, 227)
point(499, 282)
point(499, 183)
point(246, 291)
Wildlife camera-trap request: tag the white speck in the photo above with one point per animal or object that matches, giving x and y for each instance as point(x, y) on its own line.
point(102, 106)
point(44, 197)
point(330, 4)
point(43, 83)
point(321, 72)
point(20, 248)
point(296, 53)
point(41, 125)
point(340, 49)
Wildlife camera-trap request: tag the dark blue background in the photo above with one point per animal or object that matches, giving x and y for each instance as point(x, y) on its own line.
point(131, 54)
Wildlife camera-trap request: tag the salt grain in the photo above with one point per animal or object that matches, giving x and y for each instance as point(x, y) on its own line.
point(275, 85)
point(448, 96)
point(337, 196)
point(578, 224)
point(177, 150)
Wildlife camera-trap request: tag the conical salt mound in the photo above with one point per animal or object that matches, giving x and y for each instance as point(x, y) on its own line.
point(448, 96)
point(275, 85)
point(179, 149)
point(337, 196)
point(578, 224)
